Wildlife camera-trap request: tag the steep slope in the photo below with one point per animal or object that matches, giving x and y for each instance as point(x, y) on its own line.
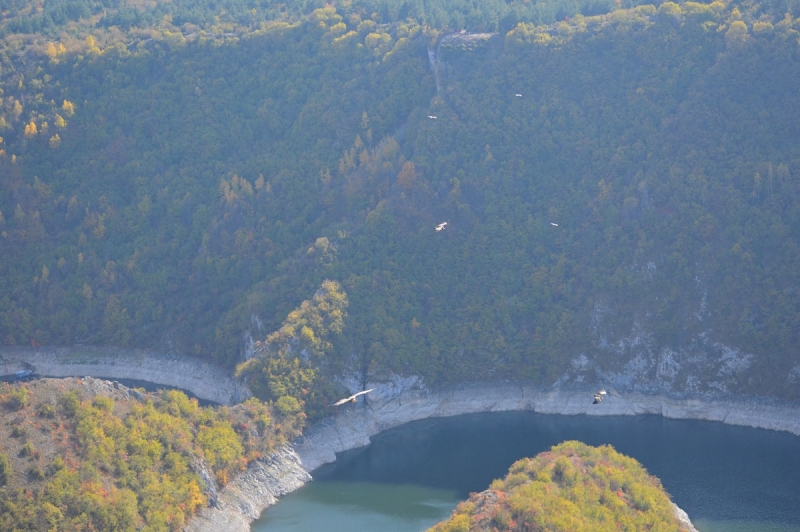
point(87, 454)
point(630, 217)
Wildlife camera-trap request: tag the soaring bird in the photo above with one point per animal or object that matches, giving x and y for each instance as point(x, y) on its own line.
point(441, 226)
point(432, 117)
point(351, 399)
point(518, 95)
point(553, 224)
point(599, 396)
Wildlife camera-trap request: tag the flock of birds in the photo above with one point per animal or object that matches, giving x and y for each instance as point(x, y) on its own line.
point(443, 225)
point(353, 398)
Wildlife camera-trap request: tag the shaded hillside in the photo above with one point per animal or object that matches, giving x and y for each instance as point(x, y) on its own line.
point(571, 487)
point(163, 213)
point(185, 190)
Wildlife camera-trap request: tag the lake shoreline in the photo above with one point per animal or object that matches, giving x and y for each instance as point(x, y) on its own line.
point(393, 403)
point(404, 400)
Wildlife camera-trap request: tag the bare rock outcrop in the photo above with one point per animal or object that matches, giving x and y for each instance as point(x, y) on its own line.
point(256, 488)
point(683, 517)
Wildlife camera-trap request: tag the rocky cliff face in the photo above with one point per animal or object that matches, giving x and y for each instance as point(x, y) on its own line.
point(256, 488)
point(634, 361)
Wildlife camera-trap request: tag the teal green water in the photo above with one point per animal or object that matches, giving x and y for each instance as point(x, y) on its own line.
point(366, 506)
point(728, 479)
point(351, 506)
point(705, 525)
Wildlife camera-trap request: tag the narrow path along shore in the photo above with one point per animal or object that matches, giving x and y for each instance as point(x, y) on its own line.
point(405, 400)
point(204, 380)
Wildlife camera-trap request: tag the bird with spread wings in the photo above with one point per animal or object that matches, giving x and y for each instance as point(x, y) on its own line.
point(352, 398)
point(599, 396)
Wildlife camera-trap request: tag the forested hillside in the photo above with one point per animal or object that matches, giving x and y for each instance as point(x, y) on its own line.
point(621, 188)
point(88, 455)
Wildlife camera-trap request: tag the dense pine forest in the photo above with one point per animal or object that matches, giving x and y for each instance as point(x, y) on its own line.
point(184, 175)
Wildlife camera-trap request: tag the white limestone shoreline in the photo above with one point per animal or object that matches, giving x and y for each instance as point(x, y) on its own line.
point(204, 380)
point(405, 400)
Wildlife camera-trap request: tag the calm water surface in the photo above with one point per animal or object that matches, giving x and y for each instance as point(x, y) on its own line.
point(728, 479)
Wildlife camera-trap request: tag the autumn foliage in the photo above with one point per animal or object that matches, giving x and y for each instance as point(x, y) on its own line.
point(77, 460)
point(572, 487)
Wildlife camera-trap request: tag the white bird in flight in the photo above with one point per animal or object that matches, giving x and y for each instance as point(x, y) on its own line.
point(518, 95)
point(352, 398)
point(599, 396)
point(441, 226)
point(553, 224)
point(432, 117)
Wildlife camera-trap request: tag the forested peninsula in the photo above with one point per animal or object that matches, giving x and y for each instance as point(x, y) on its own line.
point(258, 185)
point(571, 487)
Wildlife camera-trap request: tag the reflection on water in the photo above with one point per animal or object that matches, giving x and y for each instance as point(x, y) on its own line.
point(727, 478)
point(349, 506)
